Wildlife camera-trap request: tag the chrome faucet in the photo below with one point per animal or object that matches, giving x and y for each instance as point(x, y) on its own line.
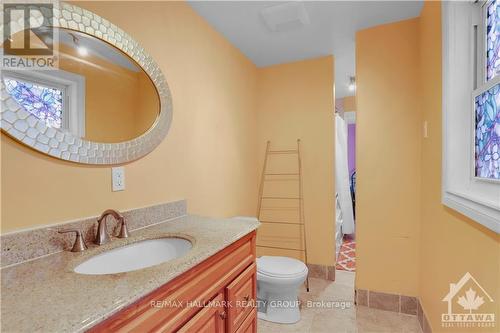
point(102, 236)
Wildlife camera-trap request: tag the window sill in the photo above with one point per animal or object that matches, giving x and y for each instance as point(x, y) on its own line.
point(484, 215)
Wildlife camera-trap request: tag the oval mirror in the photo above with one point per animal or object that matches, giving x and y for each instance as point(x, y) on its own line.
point(98, 105)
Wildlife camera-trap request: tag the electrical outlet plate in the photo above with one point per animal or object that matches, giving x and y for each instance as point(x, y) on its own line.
point(118, 178)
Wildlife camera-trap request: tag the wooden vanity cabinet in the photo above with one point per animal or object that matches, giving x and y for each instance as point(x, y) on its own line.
point(217, 295)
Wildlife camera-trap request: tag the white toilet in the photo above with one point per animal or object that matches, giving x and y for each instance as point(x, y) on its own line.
point(278, 283)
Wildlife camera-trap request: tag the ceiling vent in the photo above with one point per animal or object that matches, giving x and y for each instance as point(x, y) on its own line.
point(286, 16)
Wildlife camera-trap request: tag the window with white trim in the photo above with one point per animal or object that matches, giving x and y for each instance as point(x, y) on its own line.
point(56, 97)
point(471, 110)
point(487, 95)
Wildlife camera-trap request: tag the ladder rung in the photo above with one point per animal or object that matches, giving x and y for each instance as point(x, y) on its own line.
point(283, 151)
point(280, 208)
point(281, 174)
point(281, 248)
point(279, 222)
point(279, 198)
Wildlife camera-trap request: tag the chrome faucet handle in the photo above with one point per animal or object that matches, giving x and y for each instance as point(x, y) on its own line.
point(79, 244)
point(123, 229)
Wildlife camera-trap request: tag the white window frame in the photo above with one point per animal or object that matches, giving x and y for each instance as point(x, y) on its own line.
point(478, 20)
point(477, 198)
point(73, 88)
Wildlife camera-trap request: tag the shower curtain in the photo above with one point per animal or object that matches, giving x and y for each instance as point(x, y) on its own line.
point(342, 176)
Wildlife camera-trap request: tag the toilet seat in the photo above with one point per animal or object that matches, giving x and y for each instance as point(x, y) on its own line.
point(280, 267)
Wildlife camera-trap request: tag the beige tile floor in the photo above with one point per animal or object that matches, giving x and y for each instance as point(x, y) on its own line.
point(336, 320)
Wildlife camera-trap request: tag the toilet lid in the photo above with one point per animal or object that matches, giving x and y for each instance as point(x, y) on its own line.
point(280, 266)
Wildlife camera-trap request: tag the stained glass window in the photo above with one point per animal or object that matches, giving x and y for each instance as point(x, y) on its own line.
point(46, 103)
point(492, 40)
point(487, 133)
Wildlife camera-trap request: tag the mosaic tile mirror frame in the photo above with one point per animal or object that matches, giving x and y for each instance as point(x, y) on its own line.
point(45, 135)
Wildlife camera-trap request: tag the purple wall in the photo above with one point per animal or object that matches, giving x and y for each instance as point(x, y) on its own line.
point(351, 147)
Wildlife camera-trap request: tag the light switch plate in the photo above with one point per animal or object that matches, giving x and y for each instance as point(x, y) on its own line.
point(118, 178)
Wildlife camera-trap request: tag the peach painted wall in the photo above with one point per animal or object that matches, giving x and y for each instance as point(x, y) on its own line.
point(421, 246)
point(388, 122)
point(209, 156)
point(296, 100)
point(451, 244)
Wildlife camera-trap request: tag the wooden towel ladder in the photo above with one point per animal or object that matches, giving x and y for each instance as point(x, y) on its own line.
point(299, 198)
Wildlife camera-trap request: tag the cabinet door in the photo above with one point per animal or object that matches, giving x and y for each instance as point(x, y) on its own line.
point(209, 320)
point(241, 295)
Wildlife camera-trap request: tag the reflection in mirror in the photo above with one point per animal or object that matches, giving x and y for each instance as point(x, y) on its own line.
point(98, 93)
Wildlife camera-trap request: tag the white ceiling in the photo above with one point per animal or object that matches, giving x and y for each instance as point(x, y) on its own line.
point(331, 30)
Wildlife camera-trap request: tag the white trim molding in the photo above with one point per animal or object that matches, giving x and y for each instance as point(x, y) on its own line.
point(475, 198)
point(28, 129)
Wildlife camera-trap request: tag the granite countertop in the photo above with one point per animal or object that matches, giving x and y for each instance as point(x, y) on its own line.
point(45, 295)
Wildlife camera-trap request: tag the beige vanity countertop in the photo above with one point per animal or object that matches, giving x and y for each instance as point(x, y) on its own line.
point(45, 295)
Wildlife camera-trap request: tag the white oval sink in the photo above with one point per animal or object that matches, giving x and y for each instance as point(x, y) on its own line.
point(135, 256)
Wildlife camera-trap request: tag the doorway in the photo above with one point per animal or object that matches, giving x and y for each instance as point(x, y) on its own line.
point(345, 179)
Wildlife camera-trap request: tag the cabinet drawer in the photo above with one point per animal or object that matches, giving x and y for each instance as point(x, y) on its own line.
point(250, 324)
point(208, 320)
point(241, 294)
